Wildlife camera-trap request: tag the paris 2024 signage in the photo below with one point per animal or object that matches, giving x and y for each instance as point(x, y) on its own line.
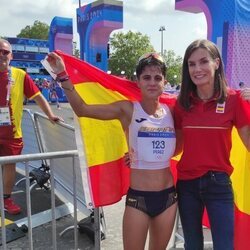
point(228, 25)
point(95, 22)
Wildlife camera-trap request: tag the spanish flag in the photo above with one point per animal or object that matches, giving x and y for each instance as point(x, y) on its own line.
point(240, 159)
point(102, 145)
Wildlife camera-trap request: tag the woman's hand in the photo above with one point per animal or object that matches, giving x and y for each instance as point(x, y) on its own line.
point(56, 63)
point(245, 94)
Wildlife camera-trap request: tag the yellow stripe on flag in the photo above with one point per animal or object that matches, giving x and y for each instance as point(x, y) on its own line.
point(101, 94)
point(240, 159)
point(106, 138)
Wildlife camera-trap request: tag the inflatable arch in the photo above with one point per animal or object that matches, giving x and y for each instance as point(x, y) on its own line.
point(228, 23)
point(61, 35)
point(95, 22)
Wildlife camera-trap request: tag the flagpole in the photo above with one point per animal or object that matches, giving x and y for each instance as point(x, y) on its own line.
point(79, 3)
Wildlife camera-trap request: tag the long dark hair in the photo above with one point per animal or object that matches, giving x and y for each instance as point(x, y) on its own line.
point(187, 85)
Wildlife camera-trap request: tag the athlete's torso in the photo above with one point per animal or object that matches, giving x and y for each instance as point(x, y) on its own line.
point(151, 139)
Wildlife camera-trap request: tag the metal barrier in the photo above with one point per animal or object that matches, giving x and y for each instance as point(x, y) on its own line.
point(48, 143)
point(32, 143)
point(61, 137)
point(26, 159)
point(40, 135)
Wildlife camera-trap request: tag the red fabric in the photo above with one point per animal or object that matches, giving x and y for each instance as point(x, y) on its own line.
point(80, 72)
point(173, 164)
point(109, 181)
point(29, 89)
point(116, 175)
point(207, 135)
point(3, 87)
point(11, 147)
point(242, 229)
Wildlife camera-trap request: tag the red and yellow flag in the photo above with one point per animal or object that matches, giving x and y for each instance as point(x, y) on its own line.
point(102, 145)
point(240, 159)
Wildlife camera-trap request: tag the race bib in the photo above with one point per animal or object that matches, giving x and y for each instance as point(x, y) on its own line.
point(5, 116)
point(155, 146)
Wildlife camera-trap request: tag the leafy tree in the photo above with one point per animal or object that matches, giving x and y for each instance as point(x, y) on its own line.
point(76, 51)
point(38, 30)
point(174, 65)
point(126, 48)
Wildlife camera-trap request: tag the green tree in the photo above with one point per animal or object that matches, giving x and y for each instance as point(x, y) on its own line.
point(38, 30)
point(174, 65)
point(76, 51)
point(125, 49)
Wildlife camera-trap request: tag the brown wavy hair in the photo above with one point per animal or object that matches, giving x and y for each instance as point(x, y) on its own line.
point(187, 85)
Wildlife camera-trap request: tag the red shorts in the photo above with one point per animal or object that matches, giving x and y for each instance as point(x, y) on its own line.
point(11, 147)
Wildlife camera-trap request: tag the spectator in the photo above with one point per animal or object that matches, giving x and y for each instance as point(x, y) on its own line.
point(45, 83)
point(15, 84)
point(151, 199)
point(205, 115)
point(53, 94)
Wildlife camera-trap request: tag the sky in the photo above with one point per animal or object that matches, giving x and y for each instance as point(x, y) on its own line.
point(145, 16)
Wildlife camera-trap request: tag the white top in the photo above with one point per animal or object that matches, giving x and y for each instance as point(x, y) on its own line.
point(151, 139)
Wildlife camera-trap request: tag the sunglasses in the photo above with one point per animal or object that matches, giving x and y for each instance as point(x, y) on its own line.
point(149, 56)
point(4, 52)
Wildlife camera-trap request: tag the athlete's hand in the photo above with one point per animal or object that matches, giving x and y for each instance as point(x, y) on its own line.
point(56, 63)
point(126, 159)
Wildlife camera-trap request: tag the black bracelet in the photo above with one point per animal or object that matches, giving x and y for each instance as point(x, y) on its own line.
point(69, 89)
point(64, 79)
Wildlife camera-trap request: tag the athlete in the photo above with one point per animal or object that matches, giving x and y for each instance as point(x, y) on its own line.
point(151, 200)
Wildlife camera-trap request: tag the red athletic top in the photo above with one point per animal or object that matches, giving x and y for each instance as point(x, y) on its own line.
point(206, 132)
point(22, 85)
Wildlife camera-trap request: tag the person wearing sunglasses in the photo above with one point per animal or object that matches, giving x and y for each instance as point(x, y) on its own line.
point(205, 114)
point(15, 84)
point(151, 200)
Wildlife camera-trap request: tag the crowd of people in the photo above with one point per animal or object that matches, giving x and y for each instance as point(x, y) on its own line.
point(199, 126)
point(51, 86)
